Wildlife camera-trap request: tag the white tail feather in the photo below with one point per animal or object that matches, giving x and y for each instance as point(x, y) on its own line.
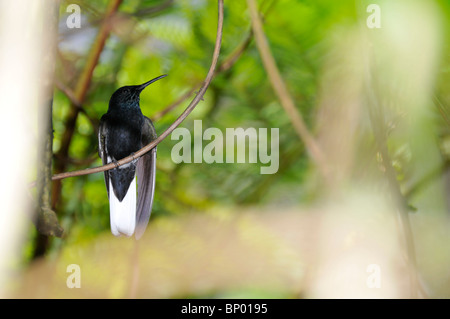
point(123, 214)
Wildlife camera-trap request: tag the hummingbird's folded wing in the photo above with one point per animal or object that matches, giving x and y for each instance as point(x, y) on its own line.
point(146, 170)
point(102, 148)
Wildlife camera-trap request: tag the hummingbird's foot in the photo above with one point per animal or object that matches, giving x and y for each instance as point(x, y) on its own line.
point(116, 163)
point(202, 98)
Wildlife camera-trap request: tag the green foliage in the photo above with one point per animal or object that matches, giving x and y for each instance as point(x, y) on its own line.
point(178, 41)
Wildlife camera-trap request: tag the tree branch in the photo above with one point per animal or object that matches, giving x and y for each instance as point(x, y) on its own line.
point(281, 91)
point(68, 93)
point(177, 122)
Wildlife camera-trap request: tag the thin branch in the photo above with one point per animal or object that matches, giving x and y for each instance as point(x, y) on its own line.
point(154, 10)
point(235, 55)
point(99, 44)
point(67, 92)
point(75, 104)
point(224, 66)
point(172, 106)
point(177, 122)
point(281, 90)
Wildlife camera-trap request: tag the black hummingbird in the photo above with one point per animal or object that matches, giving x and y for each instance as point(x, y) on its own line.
point(124, 130)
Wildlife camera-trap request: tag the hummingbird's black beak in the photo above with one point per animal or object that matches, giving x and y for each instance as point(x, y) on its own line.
point(143, 86)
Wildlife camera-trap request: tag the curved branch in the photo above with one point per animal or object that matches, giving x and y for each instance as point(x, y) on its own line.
point(282, 92)
point(177, 122)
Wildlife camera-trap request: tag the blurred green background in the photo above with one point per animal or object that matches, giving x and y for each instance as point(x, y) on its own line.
point(225, 230)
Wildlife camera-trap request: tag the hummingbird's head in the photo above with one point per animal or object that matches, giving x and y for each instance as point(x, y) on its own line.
point(128, 96)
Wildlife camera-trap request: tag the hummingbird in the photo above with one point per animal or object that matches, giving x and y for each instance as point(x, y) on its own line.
point(123, 130)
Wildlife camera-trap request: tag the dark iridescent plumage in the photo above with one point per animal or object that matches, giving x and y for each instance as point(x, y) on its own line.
point(124, 130)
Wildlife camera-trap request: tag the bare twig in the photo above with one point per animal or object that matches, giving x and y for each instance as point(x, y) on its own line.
point(75, 104)
point(224, 66)
point(177, 122)
point(172, 106)
point(154, 10)
point(67, 92)
point(235, 55)
point(281, 91)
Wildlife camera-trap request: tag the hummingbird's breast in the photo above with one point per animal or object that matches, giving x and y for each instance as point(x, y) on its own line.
point(124, 134)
